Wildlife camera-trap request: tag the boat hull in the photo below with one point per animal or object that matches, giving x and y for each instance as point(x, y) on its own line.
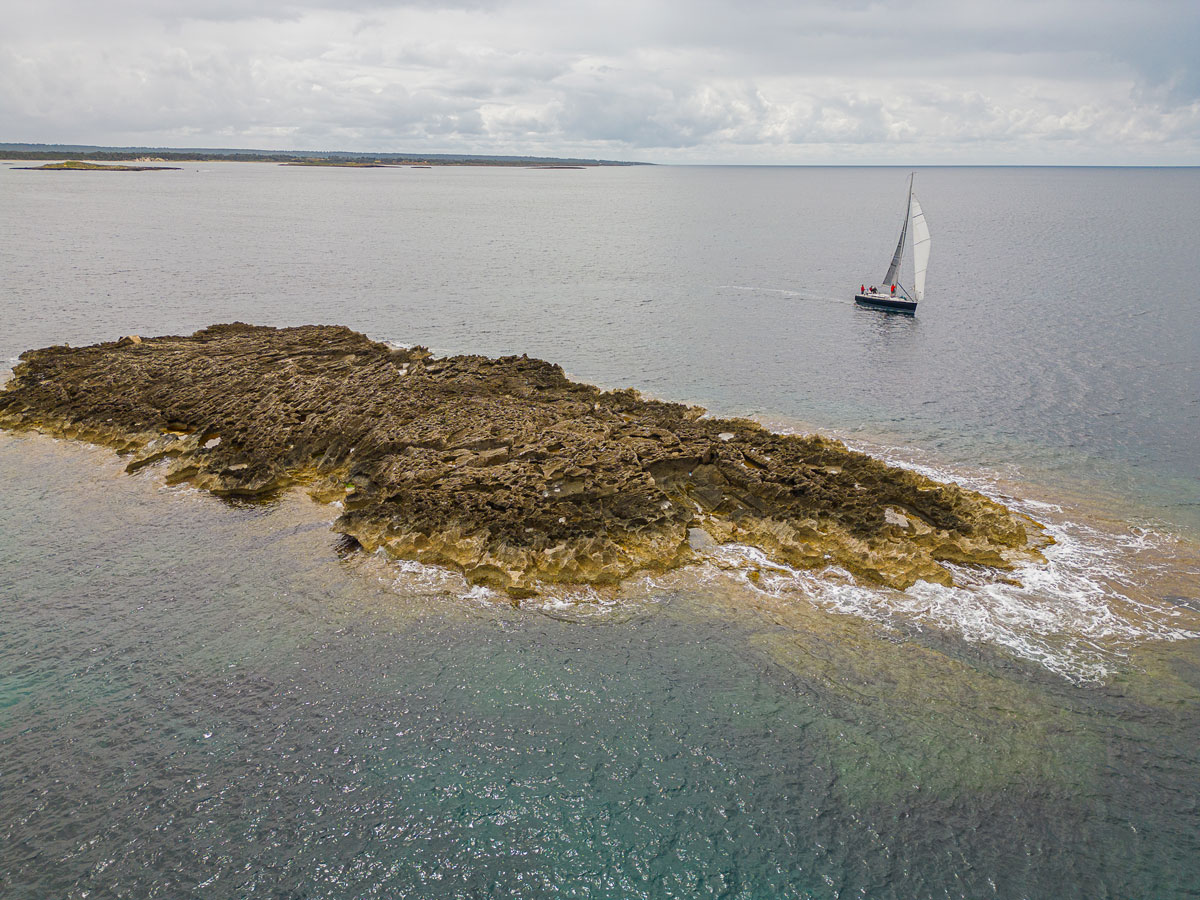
point(882, 301)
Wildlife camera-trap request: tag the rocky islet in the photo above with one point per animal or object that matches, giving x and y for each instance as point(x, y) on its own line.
point(502, 468)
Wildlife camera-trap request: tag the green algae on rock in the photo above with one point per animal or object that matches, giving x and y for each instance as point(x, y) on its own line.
point(502, 468)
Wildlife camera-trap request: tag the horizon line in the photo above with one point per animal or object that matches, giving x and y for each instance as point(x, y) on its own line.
point(16, 147)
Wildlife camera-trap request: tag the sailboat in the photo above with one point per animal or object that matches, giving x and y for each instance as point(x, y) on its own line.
point(892, 294)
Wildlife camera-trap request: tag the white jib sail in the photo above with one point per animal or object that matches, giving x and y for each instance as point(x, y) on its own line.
point(920, 246)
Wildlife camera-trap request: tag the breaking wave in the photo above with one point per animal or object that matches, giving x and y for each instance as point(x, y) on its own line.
point(1099, 594)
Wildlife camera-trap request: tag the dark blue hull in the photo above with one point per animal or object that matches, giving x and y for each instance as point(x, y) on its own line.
point(899, 304)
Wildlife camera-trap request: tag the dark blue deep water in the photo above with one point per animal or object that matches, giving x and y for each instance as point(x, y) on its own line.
point(200, 699)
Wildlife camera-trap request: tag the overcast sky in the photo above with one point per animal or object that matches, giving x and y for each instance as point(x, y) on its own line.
point(926, 81)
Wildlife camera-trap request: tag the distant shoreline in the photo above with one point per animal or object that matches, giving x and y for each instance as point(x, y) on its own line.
point(300, 158)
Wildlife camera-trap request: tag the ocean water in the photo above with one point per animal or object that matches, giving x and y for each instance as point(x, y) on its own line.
point(205, 699)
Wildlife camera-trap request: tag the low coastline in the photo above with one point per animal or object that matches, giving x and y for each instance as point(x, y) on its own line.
point(298, 157)
point(503, 469)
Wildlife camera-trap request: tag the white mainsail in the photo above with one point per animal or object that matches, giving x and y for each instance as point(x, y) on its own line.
point(920, 245)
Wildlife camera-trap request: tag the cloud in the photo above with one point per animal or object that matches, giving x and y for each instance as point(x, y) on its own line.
point(766, 81)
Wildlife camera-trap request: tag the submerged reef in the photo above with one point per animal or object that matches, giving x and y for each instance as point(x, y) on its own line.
point(502, 468)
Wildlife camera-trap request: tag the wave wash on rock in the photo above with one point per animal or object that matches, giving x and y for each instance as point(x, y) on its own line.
point(502, 468)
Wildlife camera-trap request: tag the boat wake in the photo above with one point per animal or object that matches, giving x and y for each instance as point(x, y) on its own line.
point(784, 292)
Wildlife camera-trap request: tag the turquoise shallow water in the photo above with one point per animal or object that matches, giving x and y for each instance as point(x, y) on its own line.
point(204, 699)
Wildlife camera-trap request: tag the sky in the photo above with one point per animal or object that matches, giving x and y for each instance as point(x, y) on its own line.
point(904, 82)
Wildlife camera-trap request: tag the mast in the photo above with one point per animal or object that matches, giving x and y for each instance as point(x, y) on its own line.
point(890, 277)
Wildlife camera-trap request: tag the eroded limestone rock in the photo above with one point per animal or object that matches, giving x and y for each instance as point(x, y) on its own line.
point(502, 468)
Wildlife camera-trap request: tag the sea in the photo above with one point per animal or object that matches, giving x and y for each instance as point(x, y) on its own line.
point(212, 699)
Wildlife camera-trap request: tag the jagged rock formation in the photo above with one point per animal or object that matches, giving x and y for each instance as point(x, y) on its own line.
point(502, 468)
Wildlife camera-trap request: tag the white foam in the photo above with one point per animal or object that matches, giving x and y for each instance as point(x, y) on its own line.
point(481, 594)
point(1078, 614)
point(411, 577)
